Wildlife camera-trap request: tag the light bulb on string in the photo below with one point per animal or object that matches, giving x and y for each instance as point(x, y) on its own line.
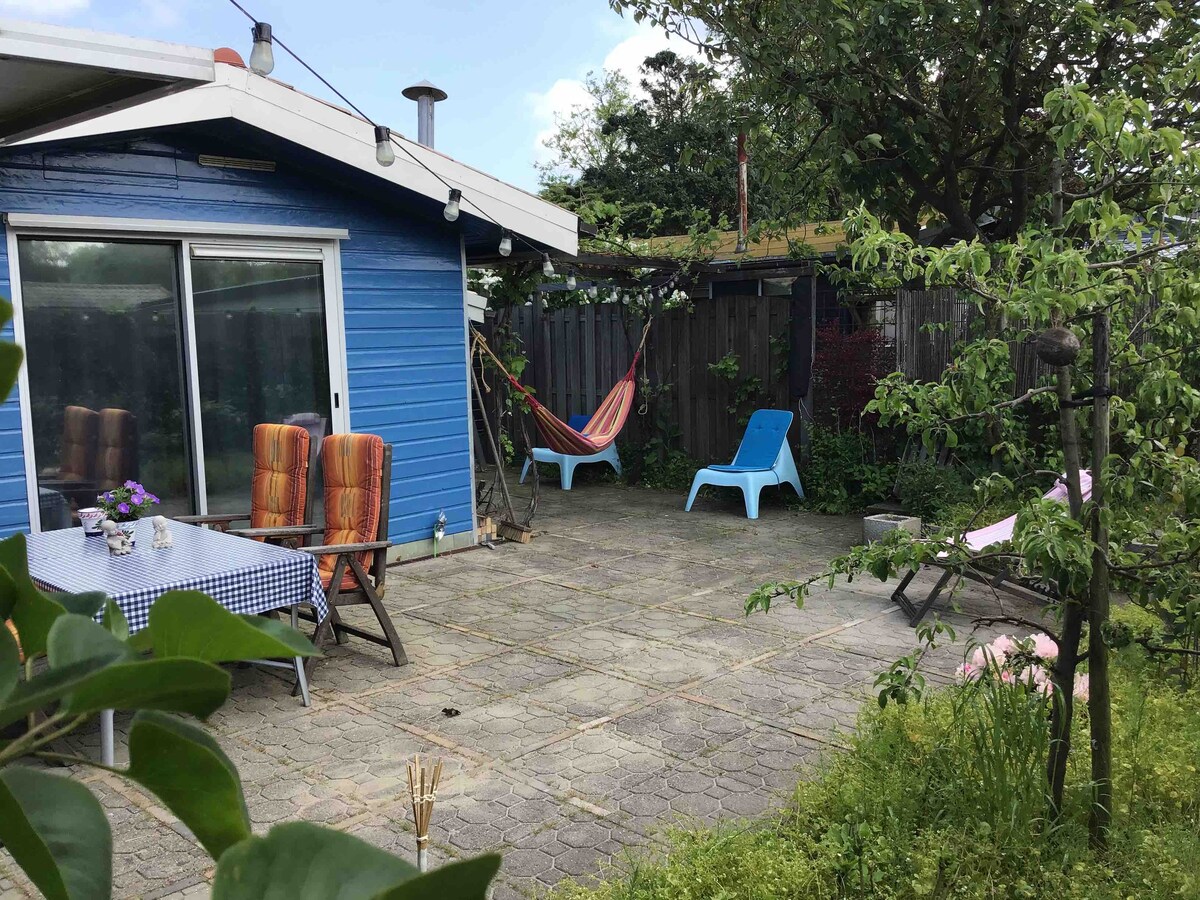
point(262, 56)
point(547, 266)
point(571, 282)
point(592, 292)
point(451, 210)
point(505, 242)
point(384, 154)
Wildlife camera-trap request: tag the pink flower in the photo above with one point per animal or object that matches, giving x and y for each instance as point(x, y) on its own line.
point(1001, 647)
point(979, 659)
point(1082, 687)
point(1042, 681)
point(968, 672)
point(1044, 647)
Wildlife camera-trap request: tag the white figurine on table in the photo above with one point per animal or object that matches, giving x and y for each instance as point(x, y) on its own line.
point(162, 534)
point(118, 542)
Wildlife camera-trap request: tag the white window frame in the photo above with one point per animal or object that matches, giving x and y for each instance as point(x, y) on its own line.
point(199, 238)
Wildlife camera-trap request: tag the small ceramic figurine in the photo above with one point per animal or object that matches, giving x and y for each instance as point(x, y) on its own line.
point(162, 534)
point(118, 542)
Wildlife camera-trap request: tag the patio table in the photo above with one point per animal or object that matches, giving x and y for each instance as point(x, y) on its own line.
point(242, 575)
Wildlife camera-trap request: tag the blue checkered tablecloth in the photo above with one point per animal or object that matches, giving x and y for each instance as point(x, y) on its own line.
point(242, 575)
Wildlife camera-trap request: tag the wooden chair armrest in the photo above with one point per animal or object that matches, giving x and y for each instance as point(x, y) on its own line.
point(338, 549)
point(285, 531)
point(213, 518)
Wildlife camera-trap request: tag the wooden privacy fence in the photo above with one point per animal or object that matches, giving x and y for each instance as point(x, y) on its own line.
point(578, 353)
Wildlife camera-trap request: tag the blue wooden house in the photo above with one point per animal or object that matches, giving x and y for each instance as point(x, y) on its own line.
point(230, 254)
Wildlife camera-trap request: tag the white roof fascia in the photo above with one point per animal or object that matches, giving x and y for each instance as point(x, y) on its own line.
point(78, 46)
point(278, 109)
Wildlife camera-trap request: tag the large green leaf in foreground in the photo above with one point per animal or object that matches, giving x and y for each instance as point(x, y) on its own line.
point(57, 833)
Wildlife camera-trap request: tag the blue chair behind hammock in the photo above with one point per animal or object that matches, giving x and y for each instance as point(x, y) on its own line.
point(567, 462)
point(763, 458)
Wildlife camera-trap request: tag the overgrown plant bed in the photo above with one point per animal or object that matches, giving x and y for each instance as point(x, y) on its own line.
point(946, 797)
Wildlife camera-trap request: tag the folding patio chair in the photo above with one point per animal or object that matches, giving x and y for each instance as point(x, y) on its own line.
point(281, 488)
point(353, 554)
point(763, 458)
point(1001, 576)
point(567, 462)
point(116, 449)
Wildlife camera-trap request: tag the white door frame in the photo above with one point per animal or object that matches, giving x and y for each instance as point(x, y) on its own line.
point(245, 242)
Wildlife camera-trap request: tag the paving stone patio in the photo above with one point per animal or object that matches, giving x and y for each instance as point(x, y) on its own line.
point(607, 685)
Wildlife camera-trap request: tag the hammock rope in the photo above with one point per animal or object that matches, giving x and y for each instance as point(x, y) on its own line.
point(606, 422)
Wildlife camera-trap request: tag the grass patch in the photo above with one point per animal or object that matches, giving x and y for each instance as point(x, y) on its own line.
point(945, 799)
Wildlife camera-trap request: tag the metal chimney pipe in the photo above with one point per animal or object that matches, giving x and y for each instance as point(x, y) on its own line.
point(426, 96)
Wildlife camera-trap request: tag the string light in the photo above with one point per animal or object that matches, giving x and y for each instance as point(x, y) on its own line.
point(262, 61)
point(451, 210)
point(384, 154)
point(571, 281)
point(592, 292)
point(262, 56)
point(547, 266)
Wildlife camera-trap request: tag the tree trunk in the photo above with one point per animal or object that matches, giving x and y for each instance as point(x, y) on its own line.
point(1099, 702)
point(1073, 612)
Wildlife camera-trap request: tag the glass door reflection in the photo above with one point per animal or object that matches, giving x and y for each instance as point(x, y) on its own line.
point(261, 356)
point(103, 346)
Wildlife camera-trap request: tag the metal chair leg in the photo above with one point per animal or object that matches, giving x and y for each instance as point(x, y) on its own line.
point(107, 748)
point(301, 677)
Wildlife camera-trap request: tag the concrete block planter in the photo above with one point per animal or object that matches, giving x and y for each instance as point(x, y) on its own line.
point(875, 527)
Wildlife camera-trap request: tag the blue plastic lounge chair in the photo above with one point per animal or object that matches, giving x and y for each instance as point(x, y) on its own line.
point(566, 462)
point(763, 458)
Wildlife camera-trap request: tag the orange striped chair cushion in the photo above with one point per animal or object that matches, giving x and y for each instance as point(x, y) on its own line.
point(77, 456)
point(117, 454)
point(353, 469)
point(279, 487)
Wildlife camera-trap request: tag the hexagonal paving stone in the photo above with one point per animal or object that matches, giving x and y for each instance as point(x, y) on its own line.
point(523, 626)
point(831, 714)
point(826, 666)
point(583, 607)
point(763, 692)
point(504, 729)
point(767, 758)
point(660, 624)
point(587, 695)
point(691, 792)
point(595, 764)
point(680, 727)
point(464, 610)
point(733, 643)
point(516, 671)
point(596, 645)
point(668, 665)
point(423, 701)
point(485, 811)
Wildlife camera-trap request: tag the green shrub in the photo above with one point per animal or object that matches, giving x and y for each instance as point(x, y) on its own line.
point(945, 799)
point(840, 473)
point(932, 492)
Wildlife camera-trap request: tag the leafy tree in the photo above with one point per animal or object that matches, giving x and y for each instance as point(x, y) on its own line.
point(1104, 277)
point(932, 109)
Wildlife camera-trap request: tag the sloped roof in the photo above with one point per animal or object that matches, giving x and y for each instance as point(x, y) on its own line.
point(279, 109)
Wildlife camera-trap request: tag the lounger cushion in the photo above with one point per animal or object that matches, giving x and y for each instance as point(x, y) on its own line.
point(77, 456)
point(279, 487)
point(117, 454)
point(353, 468)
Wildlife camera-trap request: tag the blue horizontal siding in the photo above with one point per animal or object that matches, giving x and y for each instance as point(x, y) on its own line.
point(401, 288)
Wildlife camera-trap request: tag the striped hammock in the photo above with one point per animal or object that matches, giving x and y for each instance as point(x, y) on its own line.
point(601, 430)
point(604, 425)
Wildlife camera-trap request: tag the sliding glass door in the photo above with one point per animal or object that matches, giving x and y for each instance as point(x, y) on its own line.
point(260, 357)
point(103, 343)
point(154, 360)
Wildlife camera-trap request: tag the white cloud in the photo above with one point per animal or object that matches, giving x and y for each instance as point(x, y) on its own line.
point(567, 94)
point(45, 8)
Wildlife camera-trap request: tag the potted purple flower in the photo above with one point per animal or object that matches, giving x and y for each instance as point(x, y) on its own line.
point(125, 505)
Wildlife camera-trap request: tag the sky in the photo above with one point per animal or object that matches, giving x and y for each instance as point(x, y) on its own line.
point(508, 66)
